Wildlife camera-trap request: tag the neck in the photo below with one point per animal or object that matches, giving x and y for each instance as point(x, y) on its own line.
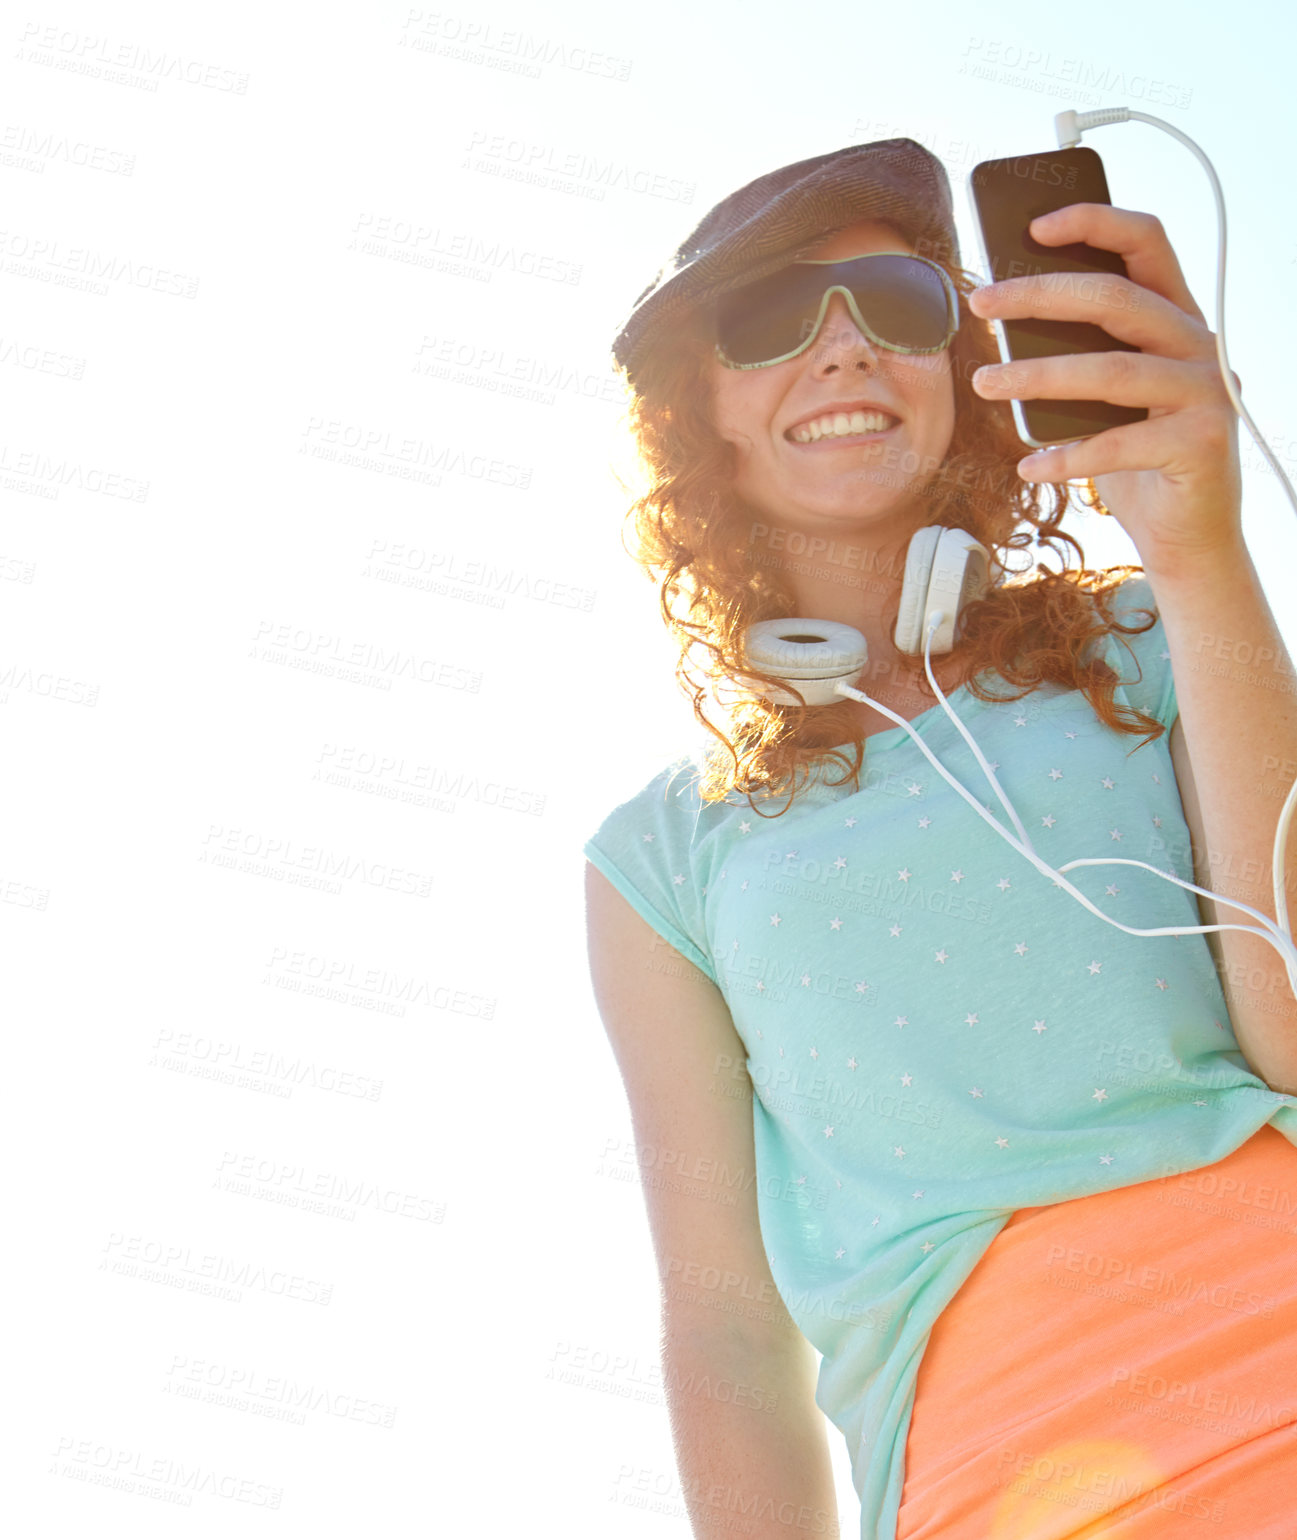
point(843, 579)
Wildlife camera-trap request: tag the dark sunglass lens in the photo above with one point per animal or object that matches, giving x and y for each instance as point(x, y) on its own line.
point(769, 318)
point(903, 300)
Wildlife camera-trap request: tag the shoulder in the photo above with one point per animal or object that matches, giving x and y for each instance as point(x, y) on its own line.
point(647, 846)
point(1132, 600)
point(667, 806)
point(1140, 656)
point(1131, 604)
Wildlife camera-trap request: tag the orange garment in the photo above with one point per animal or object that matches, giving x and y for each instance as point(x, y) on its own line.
point(1121, 1366)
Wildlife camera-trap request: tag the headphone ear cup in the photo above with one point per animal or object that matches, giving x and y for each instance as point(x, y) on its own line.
point(914, 589)
point(944, 570)
point(813, 655)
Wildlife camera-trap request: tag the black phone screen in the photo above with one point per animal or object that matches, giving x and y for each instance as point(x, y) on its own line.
point(1007, 195)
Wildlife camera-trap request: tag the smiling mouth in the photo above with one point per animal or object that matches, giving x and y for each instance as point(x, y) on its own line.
point(842, 425)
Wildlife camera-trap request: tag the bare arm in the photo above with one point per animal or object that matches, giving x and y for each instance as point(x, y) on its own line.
point(749, 1440)
point(751, 1444)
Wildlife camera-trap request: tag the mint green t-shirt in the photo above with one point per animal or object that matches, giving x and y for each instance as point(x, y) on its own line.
point(937, 1034)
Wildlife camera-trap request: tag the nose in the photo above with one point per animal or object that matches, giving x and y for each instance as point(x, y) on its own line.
point(839, 339)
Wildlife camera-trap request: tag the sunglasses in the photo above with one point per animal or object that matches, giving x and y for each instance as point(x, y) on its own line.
point(901, 302)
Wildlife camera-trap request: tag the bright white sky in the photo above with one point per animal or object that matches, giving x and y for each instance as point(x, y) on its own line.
point(186, 535)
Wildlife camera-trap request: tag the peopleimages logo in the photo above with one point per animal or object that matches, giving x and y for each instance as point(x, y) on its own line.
point(1156, 1280)
point(88, 53)
point(539, 161)
point(518, 53)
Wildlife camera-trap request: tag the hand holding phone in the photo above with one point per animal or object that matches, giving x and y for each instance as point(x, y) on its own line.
point(1007, 195)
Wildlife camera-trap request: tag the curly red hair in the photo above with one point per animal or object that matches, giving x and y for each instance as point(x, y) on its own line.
point(1044, 626)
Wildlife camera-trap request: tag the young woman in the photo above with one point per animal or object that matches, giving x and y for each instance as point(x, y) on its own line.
point(1026, 1181)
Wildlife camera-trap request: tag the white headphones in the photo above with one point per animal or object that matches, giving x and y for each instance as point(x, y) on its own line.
point(944, 569)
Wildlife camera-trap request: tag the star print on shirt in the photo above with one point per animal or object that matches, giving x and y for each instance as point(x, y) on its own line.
point(851, 822)
point(1022, 949)
point(1161, 983)
point(942, 955)
point(1113, 889)
point(907, 1079)
point(1069, 735)
point(976, 1092)
point(918, 1194)
point(1105, 1160)
point(678, 879)
point(1114, 834)
point(840, 862)
point(775, 919)
point(898, 1151)
point(835, 923)
point(927, 1245)
point(828, 1132)
point(805, 980)
point(1056, 775)
point(904, 1021)
point(1095, 967)
point(904, 874)
point(861, 986)
point(895, 931)
point(1019, 721)
point(649, 838)
point(956, 876)
point(924, 822)
point(1049, 820)
point(839, 1253)
point(1100, 1096)
point(1040, 1027)
point(971, 1019)
point(1004, 884)
point(745, 828)
point(851, 1062)
point(1157, 822)
point(914, 789)
point(1002, 1142)
point(1107, 783)
point(814, 1053)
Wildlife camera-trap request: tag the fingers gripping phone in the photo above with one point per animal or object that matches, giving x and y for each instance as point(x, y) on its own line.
point(1007, 195)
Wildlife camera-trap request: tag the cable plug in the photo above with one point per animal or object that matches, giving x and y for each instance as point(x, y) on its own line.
point(1069, 126)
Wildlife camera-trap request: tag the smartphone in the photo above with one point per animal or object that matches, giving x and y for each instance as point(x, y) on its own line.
point(1007, 195)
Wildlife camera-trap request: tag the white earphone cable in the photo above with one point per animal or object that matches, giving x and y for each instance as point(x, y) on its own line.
point(1069, 127)
point(1271, 932)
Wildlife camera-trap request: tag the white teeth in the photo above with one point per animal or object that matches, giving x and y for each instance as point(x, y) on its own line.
point(837, 424)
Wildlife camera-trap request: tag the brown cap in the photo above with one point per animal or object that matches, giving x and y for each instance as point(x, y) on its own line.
point(785, 214)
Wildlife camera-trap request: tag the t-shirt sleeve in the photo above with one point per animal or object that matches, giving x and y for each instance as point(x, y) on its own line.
point(1143, 662)
point(646, 848)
